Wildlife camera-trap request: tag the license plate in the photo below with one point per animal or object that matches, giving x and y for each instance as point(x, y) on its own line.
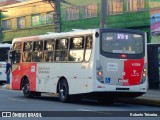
point(123, 81)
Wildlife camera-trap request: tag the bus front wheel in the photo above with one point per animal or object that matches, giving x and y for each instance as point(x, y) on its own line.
point(26, 91)
point(63, 91)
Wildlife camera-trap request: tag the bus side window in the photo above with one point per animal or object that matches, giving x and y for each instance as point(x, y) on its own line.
point(26, 57)
point(28, 46)
point(88, 50)
point(17, 46)
point(48, 50)
point(27, 51)
point(61, 53)
point(48, 56)
point(76, 52)
point(37, 57)
point(38, 46)
point(37, 51)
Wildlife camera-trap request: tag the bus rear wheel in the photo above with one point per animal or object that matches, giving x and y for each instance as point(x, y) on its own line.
point(63, 91)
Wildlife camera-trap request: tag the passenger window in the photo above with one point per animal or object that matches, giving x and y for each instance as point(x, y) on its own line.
point(62, 44)
point(48, 50)
point(48, 56)
point(37, 54)
point(26, 57)
point(38, 45)
point(28, 46)
point(17, 46)
point(49, 45)
point(61, 53)
point(89, 42)
point(88, 50)
point(76, 49)
point(77, 43)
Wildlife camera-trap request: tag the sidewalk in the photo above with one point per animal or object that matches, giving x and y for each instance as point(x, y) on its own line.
point(152, 97)
point(6, 86)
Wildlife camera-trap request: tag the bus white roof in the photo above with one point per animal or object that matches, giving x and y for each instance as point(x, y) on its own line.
point(57, 35)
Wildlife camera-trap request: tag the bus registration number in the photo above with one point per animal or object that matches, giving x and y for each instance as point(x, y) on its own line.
point(123, 81)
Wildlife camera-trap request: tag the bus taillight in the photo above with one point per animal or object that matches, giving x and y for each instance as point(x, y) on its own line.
point(99, 73)
point(144, 70)
point(143, 79)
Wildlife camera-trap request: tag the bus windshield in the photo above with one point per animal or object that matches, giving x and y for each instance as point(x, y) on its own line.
point(117, 42)
point(4, 54)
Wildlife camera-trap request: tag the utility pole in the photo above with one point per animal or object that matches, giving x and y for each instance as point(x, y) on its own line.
point(103, 23)
point(56, 14)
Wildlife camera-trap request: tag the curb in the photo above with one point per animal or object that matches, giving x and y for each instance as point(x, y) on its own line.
point(6, 86)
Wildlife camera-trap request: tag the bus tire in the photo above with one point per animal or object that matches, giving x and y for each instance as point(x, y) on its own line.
point(63, 91)
point(26, 90)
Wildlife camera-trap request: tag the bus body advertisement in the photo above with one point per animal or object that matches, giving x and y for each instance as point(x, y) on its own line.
point(4, 49)
point(97, 62)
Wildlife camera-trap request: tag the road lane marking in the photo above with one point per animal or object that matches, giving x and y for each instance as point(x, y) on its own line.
point(95, 111)
point(10, 90)
point(17, 100)
point(84, 110)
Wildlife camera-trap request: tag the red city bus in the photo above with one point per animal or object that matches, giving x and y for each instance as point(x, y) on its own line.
point(101, 63)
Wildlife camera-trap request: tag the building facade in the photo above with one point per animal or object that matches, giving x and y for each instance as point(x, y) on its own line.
point(35, 17)
point(29, 18)
point(132, 14)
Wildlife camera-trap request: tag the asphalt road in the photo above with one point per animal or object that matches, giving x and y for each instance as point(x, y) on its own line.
point(85, 109)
